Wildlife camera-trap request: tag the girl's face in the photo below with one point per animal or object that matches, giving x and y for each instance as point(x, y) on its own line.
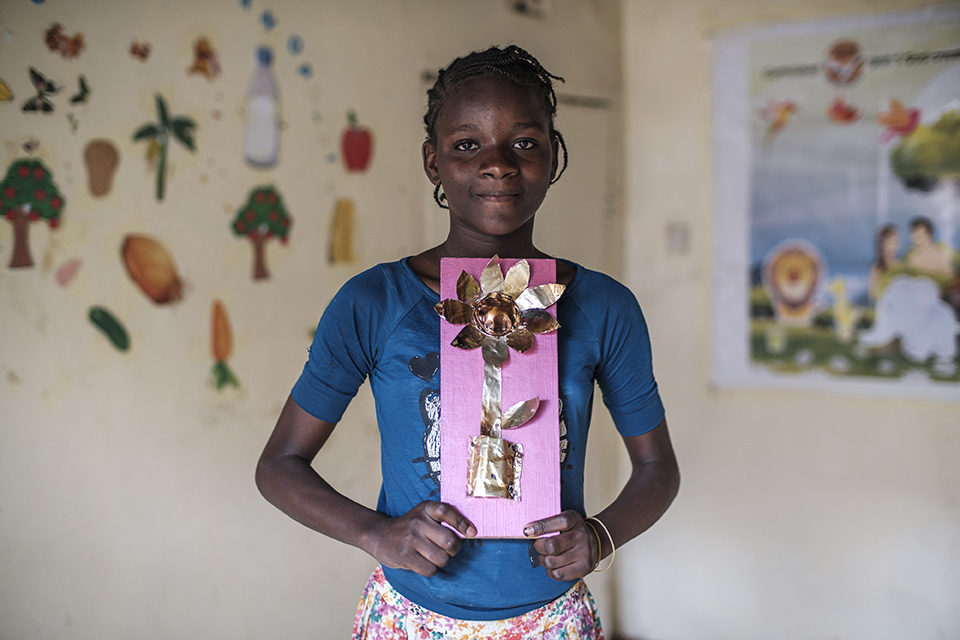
point(494, 155)
point(891, 244)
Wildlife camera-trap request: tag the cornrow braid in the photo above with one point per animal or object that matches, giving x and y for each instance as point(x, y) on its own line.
point(512, 62)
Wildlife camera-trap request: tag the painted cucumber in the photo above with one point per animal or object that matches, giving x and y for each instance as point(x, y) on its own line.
point(102, 319)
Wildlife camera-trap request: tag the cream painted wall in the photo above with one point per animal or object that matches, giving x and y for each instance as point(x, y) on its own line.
point(127, 503)
point(801, 516)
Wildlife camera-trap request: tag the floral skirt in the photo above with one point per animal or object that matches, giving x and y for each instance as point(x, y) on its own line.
point(384, 614)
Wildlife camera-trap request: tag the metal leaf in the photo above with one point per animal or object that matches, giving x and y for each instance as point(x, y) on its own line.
point(468, 289)
point(539, 321)
point(520, 413)
point(492, 277)
point(468, 338)
point(520, 340)
point(517, 279)
point(495, 350)
point(540, 297)
point(455, 312)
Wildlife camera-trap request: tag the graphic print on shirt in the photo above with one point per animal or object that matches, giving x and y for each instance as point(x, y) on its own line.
point(426, 368)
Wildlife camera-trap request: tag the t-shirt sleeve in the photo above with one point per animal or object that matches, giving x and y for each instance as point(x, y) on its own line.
point(343, 352)
point(625, 372)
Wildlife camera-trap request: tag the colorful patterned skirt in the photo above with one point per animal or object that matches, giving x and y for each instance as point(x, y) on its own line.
point(384, 614)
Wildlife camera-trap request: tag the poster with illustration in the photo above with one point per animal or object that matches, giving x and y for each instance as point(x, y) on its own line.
point(837, 217)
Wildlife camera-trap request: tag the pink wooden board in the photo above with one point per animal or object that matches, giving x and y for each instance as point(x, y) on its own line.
point(525, 376)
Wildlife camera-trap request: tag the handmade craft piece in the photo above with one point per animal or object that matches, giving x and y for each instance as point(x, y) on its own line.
point(499, 484)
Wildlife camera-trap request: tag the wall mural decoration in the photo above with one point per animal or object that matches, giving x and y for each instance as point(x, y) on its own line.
point(28, 194)
point(113, 329)
point(205, 61)
point(159, 133)
point(356, 145)
point(44, 88)
point(68, 271)
point(263, 217)
point(5, 94)
point(342, 232)
point(83, 92)
point(152, 268)
point(261, 139)
point(101, 158)
point(838, 205)
point(221, 344)
point(69, 47)
point(140, 50)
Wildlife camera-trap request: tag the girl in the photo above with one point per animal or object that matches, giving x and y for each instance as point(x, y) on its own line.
point(492, 151)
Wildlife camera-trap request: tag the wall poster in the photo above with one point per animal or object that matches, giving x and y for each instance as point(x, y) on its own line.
point(837, 205)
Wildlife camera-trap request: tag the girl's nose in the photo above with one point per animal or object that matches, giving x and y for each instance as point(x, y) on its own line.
point(498, 163)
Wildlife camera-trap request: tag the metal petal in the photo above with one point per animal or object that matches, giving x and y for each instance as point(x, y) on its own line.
point(468, 338)
point(520, 413)
point(540, 297)
point(495, 350)
point(539, 321)
point(492, 277)
point(468, 289)
point(520, 340)
point(455, 312)
point(517, 279)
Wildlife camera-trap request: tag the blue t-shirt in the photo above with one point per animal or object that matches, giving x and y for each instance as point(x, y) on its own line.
point(382, 325)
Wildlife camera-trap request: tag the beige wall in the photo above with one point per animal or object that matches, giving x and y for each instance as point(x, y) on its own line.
point(127, 503)
point(801, 515)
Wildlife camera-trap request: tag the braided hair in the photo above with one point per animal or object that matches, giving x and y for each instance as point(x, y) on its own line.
point(512, 62)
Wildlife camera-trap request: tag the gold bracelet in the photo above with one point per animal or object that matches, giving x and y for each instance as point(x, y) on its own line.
point(613, 547)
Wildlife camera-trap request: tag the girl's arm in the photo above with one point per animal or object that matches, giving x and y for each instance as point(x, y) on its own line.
point(416, 541)
point(652, 486)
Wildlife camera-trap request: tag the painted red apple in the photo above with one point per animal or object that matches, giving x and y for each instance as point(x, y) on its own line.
point(356, 145)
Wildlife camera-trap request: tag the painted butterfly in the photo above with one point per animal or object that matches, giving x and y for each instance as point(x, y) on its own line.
point(44, 88)
point(81, 96)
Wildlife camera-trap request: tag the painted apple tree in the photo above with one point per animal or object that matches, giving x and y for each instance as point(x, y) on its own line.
point(262, 218)
point(28, 194)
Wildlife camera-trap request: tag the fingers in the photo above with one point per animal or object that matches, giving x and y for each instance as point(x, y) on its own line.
point(443, 512)
point(561, 522)
point(418, 541)
point(571, 553)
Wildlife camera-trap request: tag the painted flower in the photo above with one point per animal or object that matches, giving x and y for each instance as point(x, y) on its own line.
point(500, 312)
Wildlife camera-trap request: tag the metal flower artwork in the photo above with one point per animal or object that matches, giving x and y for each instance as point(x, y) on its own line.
point(500, 312)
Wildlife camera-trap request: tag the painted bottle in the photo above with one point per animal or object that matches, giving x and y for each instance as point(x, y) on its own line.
point(261, 142)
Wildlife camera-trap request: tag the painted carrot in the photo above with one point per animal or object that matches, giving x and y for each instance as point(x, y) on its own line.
point(221, 342)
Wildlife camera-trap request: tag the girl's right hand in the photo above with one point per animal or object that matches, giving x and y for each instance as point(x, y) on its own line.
point(418, 541)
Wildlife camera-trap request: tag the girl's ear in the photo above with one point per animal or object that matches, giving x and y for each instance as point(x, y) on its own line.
point(555, 144)
point(429, 152)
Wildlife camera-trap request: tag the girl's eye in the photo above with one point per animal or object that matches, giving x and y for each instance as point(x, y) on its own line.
point(524, 144)
point(466, 145)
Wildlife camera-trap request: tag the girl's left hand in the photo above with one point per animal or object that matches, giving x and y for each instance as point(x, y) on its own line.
point(572, 553)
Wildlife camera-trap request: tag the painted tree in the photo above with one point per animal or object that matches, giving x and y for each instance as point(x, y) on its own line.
point(263, 217)
point(28, 194)
point(931, 153)
point(159, 132)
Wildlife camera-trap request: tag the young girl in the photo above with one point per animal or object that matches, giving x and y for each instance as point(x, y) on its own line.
point(492, 152)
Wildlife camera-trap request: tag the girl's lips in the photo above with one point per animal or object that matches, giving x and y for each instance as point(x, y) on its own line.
point(498, 197)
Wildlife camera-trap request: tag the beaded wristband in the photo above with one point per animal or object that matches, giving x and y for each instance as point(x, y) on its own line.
point(613, 547)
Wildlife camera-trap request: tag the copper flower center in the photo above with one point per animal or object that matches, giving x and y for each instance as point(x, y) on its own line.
point(497, 314)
